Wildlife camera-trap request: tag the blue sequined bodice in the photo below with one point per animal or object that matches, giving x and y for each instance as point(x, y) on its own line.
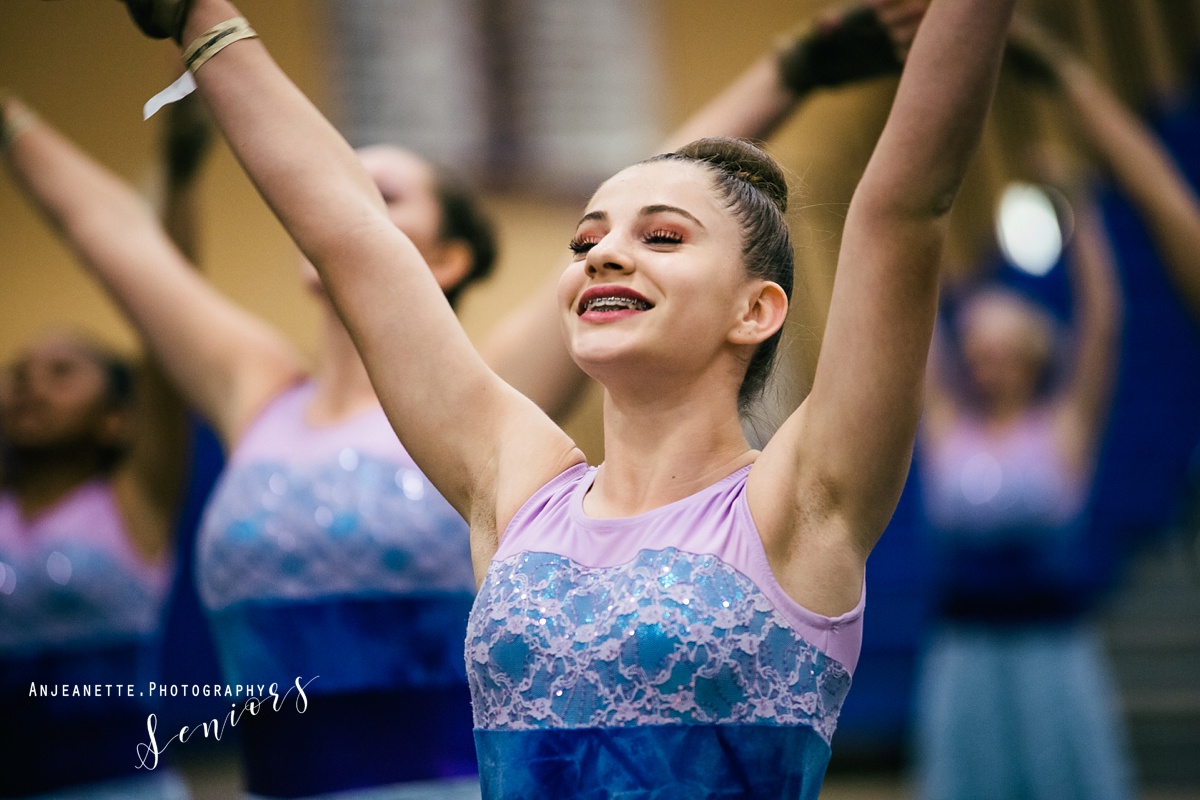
point(356, 571)
point(671, 638)
point(661, 670)
point(327, 552)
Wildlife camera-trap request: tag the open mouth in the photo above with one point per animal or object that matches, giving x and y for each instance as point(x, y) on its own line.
point(611, 300)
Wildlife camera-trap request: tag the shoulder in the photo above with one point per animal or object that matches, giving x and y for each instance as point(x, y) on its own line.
point(547, 508)
point(280, 413)
point(807, 536)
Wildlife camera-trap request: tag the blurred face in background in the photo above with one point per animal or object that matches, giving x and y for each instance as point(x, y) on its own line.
point(56, 395)
point(1006, 344)
point(409, 187)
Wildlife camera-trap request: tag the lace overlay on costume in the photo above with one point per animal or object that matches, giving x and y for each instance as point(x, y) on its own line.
point(70, 579)
point(354, 525)
point(671, 638)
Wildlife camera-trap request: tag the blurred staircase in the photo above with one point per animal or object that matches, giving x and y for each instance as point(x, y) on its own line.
point(1153, 631)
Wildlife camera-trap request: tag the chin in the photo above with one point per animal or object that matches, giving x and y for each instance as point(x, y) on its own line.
point(602, 346)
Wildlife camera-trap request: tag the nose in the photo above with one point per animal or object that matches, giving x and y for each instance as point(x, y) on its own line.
point(608, 255)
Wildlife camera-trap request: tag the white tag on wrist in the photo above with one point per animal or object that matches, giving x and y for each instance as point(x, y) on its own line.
point(172, 94)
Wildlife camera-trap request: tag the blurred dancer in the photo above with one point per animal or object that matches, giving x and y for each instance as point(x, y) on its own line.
point(324, 554)
point(92, 472)
point(1015, 700)
point(684, 619)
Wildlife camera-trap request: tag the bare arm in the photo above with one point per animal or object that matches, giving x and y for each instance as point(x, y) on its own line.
point(940, 401)
point(844, 454)
point(485, 447)
point(527, 347)
point(156, 466)
point(1146, 172)
point(849, 45)
point(224, 361)
point(1083, 406)
point(1137, 159)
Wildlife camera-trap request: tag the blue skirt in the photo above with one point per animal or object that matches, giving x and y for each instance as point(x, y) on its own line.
point(1020, 712)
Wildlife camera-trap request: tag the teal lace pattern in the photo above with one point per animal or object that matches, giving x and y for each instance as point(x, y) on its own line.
point(671, 638)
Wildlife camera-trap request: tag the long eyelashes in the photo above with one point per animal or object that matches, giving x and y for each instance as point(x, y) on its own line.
point(581, 244)
point(663, 236)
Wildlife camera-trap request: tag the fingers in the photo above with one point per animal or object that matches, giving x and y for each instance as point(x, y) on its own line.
point(901, 18)
point(15, 119)
point(159, 19)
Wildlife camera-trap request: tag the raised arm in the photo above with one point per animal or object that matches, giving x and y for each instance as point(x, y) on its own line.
point(155, 470)
point(224, 361)
point(1098, 311)
point(853, 44)
point(842, 47)
point(485, 447)
point(186, 141)
point(844, 454)
point(1137, 159)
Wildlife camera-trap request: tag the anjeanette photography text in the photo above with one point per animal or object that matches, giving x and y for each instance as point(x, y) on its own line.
point(148, 752)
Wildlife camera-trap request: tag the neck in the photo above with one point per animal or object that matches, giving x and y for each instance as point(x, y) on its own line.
point(1001, 412)
point(343, 387)
point(43, 477)
point(661, 447)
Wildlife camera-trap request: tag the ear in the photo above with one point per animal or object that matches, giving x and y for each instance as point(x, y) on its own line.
point(450, 263)
point(765, 311)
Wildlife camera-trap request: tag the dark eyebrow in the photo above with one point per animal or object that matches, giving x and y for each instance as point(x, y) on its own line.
point(659, 209)
point(645, 212)
point(591, 215)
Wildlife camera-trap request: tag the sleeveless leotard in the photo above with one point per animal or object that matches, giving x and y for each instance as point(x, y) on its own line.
point(650, 657)
point(326, 555)
point(78, 608)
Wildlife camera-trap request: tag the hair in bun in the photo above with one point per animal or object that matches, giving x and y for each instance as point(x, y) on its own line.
point(754, 188)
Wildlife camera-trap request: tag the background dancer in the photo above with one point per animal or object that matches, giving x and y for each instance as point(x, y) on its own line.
point(324, 551)
point(1015, 699)
point(94, 456)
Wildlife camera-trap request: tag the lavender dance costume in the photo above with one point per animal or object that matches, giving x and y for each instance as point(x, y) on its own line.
point(1014, 700)
point(650, 657)
point(78, 607)
point(326, 555)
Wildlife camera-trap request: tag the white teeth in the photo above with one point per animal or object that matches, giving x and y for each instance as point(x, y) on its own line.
point(602, 304)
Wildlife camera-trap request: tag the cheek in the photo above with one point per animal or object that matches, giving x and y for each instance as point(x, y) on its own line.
point(569, 285)
point(83, 394)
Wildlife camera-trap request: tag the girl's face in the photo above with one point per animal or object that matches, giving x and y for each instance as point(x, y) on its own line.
point(656, 281)
point(1005, 350)
point(409, 189)
point(56, 393)
point(408, 185)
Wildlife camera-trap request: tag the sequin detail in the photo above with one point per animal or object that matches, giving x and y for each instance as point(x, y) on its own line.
point(72, 594)
point(354, 525)
point(671, 638)
point(70, 578)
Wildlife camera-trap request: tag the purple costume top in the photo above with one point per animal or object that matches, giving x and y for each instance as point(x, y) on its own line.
point(650, 656)
point(1007, 514)
point(78, 606)
point(326, 555)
